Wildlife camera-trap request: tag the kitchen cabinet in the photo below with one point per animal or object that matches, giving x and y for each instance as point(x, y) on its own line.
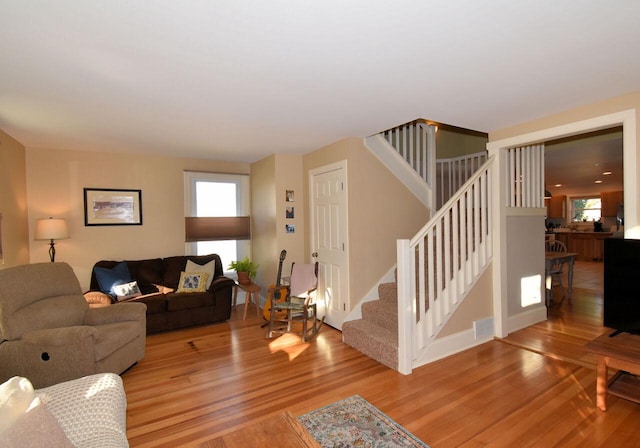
point(556, 206)
point(588, 245)
point(609, 202)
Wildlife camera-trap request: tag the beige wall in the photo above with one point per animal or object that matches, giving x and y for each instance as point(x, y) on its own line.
point(475, 306)
point(13, 202)
point(380, 211)
point(55, 182)
point(455, 144)
point(271, 177)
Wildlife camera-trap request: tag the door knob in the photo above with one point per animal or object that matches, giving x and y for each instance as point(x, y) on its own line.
point(314, 255)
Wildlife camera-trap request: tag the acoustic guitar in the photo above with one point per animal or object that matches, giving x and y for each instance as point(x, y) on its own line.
point(276, 293)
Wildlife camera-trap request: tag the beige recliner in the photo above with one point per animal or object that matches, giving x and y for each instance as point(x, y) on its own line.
point(49, 334)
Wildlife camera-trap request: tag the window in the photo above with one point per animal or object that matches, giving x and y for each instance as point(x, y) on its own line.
point(586, 209)
point(217, 195)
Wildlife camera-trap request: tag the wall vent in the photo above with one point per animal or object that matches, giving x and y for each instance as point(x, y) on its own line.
point(483, 328)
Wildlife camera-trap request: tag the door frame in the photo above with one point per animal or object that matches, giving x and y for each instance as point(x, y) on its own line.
point(342, 164)
point(626, 118)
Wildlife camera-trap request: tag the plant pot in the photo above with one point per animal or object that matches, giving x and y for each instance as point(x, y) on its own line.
point(243, 278)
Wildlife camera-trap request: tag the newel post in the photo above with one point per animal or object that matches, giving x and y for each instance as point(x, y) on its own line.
point(405, 308)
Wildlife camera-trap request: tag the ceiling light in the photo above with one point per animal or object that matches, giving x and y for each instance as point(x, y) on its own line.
point(558, 185)
point(607, 173)
point(598, 182)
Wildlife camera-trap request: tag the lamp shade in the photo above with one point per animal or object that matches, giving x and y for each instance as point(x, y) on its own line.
point(217, 228)
point(51, 229)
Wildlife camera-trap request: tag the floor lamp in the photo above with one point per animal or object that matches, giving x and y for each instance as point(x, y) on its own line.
point(51, 229)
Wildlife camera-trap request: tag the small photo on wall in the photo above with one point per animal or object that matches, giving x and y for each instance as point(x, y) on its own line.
point(290, 213)
point(290, 228)
point(289, 195)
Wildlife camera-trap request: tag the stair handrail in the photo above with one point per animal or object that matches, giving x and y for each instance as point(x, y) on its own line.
point(415, 142)
point(449, 279)
point(453, 172)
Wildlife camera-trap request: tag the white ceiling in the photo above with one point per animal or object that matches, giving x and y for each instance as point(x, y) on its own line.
point(241, 79)
point(577, 163)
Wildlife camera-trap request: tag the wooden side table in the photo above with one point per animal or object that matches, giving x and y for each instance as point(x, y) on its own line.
point(620, 352)
point(251, 290)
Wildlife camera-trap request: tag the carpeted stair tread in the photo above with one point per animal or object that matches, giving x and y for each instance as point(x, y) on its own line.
point(384, 314)
point(388, 292)
point(373, 340)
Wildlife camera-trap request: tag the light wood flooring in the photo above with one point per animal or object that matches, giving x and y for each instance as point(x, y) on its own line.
point(537, 390)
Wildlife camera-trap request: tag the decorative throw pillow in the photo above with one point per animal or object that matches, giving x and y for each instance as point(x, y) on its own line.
point(192, 282)
point(127, 291)
point(208, 268)
point(16, 394)
point(108, 278)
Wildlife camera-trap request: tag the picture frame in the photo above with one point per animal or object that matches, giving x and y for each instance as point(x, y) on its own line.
point(112, 207)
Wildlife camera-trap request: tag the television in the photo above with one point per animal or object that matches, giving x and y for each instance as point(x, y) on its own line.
point(621, 307)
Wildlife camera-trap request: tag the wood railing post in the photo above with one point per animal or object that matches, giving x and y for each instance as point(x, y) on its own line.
point(406, 308)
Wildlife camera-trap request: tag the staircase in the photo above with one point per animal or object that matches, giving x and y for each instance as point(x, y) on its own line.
point(376, 334)
point(435, 269)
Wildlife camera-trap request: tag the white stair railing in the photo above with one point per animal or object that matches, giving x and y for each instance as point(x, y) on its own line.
point(438, 266)
point(416, 144)
point(453, 172)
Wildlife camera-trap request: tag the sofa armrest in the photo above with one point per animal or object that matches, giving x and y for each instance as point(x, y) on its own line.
point(58, 336)
point(220, 283)
point(119, 312)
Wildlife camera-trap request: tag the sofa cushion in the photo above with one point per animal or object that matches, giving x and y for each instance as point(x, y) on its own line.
point(110, 277)
point(185, 301)
point(156, 303)
point(147, 273)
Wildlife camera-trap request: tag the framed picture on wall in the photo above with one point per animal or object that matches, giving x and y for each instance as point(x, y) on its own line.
point(289, 195)
point(112, 207)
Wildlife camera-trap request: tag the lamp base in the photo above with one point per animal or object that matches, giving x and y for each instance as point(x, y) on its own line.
point(52, 252)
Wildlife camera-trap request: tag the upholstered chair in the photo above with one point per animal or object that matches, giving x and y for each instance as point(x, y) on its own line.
point(49, 334)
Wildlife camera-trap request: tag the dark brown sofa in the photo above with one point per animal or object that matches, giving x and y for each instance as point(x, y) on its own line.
point(157, 278)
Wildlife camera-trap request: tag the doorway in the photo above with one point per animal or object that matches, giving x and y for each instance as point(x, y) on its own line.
point(329, 245)
point(504, 321)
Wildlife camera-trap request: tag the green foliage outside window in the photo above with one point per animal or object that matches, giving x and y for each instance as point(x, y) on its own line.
point(586, 209)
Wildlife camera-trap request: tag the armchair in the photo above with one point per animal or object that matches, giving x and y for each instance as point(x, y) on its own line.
point(49, 334)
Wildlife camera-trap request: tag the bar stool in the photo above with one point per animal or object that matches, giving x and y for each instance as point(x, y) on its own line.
point(251, 290)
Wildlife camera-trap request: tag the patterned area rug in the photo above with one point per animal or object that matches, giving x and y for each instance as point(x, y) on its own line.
point(356, 423)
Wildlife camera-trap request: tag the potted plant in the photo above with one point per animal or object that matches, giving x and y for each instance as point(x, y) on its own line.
point(246, 270)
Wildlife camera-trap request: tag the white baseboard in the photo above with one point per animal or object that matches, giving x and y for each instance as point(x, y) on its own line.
point(449, 345)
point(526, 318)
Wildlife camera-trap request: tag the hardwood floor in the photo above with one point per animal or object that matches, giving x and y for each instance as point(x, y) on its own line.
point(196, 384)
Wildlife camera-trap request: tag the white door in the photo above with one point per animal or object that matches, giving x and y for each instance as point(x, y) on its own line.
point(329, 241)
